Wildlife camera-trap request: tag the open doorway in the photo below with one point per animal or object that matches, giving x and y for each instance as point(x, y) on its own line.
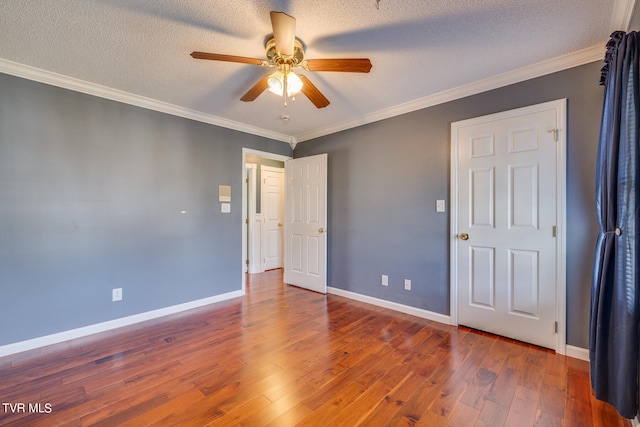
point(259, 232)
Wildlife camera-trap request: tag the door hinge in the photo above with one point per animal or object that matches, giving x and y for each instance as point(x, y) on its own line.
point(246, 221)
point(246, 180)
point(555, 134)
point(247, 261)
point(555, 231)
point(555, 327)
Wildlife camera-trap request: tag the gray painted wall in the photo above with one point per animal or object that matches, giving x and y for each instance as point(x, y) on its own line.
point(91, 194)
point(384, 179)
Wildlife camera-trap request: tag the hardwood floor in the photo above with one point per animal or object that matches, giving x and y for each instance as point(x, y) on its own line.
point(283, 356)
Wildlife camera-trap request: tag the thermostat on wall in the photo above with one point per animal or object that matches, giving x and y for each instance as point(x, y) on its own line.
point(224, 193)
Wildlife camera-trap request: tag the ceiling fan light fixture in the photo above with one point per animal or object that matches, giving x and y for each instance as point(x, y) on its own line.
point(294, 84)
point(277, 83)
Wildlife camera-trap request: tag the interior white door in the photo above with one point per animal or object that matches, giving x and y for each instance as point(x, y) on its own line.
point(306, 223)
point(507, 224)
point(272, 207)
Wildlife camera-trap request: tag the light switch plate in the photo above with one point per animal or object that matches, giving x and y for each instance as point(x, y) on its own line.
point(439, 205)
point(225, 207)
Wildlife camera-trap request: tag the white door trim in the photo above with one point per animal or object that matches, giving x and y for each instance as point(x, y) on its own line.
point(248, 152)
point(249, 216)
point(561, 166)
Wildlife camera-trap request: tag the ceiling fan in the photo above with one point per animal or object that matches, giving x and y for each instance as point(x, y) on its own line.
point(286, 53)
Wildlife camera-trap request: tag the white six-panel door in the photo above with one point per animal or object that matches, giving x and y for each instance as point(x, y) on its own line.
point(305, 227)
point(507, 223)
point(272, 207)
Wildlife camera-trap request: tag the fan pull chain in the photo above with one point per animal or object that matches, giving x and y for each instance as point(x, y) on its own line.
point(285, 92)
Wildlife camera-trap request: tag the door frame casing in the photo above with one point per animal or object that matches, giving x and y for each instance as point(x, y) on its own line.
point(560, 106)
point(249, 217)
point(266, 155)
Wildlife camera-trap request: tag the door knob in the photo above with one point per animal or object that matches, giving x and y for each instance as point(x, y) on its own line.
point(279, 225)
point(321, 230)
point(464, 236)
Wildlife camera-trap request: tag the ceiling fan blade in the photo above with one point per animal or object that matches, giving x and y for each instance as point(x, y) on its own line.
point(227, 58)
point(256, 90)
point(312, 92)
point(284, 32)
point(349, 65)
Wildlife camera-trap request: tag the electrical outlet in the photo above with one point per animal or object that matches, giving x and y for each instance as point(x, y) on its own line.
point(385, 280)
point(440, 206)
point(407, 284)
point(116, 294)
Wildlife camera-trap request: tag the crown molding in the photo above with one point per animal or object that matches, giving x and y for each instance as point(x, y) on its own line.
point(622, 13)
point(66, 82)
point(553, 65)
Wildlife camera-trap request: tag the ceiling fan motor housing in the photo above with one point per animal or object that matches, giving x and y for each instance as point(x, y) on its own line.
point(276, 58)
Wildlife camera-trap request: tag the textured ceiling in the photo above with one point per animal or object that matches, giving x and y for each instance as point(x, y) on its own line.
point(418, 49)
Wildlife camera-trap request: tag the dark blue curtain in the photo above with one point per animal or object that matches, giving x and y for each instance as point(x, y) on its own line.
point(614, 334)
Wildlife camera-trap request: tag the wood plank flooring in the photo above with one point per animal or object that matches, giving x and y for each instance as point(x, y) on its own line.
point(283, 356)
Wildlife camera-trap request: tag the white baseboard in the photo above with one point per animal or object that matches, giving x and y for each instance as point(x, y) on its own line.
point(46, 340)
point(255, 268)
point(575, 352)
point(571, 351)
point(419, 312)
point(578, 352)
